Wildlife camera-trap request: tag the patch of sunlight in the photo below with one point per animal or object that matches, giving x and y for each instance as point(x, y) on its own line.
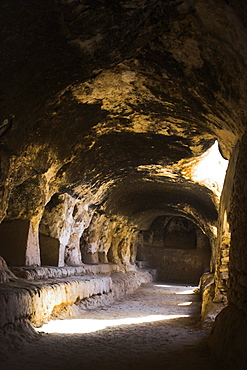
point(185, 304)
point(214, 230)
point(187, 291)
point(211, 169)
point(163, 286)
point(81, 326)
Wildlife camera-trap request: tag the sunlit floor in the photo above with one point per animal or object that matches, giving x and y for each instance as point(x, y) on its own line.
point(155, 328)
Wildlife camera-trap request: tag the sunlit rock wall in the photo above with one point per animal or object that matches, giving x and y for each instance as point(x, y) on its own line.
point(228, 340)
point(63, 222)
point(55, 229)
point(222, 249)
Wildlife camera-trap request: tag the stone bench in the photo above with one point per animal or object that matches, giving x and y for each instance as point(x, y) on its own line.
point(35, 301)
point(47, 272)
point(22, 300)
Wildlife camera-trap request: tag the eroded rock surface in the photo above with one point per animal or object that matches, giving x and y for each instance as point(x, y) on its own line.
point(107, 109)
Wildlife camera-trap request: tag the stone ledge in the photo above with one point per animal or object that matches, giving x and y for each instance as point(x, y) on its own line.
point(210, 309)
point(47, 272)
point(36, 301)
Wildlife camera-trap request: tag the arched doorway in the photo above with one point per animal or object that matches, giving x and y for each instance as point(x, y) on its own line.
point(177, 248)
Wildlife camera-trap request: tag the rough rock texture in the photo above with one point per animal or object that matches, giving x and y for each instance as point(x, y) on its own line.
point(224, 231)
point(49, 272)
point(237, 221)
point(156, 88)
point(231, 336)
point(210, 308)
point(106, 111)
point(228, 337)
point(36, 301)
point(5, 274)
point(110, 130)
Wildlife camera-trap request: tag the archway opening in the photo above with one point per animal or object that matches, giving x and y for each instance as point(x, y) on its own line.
point(177, 248)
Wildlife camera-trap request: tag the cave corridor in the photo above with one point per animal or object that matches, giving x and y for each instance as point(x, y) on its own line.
point(123, 152)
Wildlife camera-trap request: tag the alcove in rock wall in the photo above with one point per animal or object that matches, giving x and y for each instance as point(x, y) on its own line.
point(177, 248)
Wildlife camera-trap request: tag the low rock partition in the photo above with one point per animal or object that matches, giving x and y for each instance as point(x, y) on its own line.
point(210, 308)
point(36, 301)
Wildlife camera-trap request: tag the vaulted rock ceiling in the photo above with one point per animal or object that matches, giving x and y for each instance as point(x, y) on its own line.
point(99, 97)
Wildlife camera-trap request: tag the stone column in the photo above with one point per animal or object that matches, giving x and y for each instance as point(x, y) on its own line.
point(55, 229)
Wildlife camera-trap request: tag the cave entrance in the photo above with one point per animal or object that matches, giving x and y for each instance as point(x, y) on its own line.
point(177, 248)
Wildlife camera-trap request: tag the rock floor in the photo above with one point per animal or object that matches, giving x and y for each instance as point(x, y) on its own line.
point(154, 328)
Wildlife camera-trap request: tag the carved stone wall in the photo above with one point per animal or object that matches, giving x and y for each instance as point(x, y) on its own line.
point(107, 240)
point(229, 331)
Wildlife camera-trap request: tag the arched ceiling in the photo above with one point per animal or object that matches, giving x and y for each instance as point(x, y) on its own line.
point(140, 198)
point(96, 91)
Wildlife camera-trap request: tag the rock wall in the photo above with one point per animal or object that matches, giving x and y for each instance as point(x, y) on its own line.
point(70, 232)
point(222, 248)
point(228, 339)
point(109, 240)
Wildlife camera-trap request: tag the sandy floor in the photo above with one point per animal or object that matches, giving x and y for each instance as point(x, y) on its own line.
point(155, 328)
